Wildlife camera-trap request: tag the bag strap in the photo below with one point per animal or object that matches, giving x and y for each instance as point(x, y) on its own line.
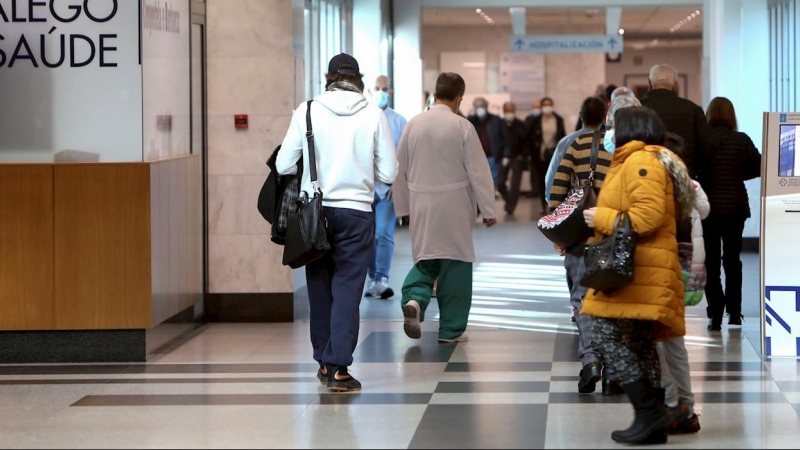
point(312, 156)
point(595, 152)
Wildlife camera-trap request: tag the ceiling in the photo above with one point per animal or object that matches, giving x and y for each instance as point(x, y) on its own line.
point(640, 23)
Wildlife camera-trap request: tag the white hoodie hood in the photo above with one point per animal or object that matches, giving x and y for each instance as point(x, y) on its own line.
point(342, 103)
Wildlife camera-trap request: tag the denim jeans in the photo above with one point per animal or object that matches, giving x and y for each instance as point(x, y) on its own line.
point(494, 166)
point(383, 250)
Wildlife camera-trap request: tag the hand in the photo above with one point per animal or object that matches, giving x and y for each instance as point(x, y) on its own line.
point(560, 250)
point(490, 222)
point(588, 216)
point(505, 162)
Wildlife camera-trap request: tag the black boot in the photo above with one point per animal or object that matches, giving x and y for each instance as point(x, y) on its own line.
point(651, 418)
point(612, 387)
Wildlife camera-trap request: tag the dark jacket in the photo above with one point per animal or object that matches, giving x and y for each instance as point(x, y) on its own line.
point(729, 160)
point(534, 139)
point(682, 117)
point(496, 127)
point(515, 134)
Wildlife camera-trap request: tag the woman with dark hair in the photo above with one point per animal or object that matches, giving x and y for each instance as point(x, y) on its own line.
point(729, 159)
point(651, 185)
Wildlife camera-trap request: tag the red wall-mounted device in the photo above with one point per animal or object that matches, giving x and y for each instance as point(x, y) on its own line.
point(240, 121)
point(164, 122)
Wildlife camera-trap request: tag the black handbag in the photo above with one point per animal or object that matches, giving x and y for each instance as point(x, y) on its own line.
point(306, 229)
point(565, 225)
point(610, 262)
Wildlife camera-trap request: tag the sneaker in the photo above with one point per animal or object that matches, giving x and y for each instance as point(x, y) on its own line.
point(462, 338)
point(371, 289)
point(382, 289)
point(411, 312)
point(322, 375)
point(339, 380)
point(683, 424)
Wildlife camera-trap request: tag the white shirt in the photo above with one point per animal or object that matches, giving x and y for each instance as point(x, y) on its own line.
point(353, 146)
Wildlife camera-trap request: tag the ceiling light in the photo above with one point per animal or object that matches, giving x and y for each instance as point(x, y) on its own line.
point(697, 12)
point(621, 31)
point(478, 11)
point(694, 15)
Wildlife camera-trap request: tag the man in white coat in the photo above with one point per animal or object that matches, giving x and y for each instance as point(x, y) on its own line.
point(442, 182)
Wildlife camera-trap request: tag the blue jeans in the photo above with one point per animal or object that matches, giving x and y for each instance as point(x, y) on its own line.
point(494, 166)
point(383, 250)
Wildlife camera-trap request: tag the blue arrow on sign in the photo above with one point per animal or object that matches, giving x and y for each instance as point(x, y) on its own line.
point(519, 43)
point(612, 43)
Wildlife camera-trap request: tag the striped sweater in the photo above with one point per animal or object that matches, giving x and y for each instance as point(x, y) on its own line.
point(577, 159)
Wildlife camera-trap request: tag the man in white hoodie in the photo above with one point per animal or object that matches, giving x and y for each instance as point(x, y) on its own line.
point(354, 148)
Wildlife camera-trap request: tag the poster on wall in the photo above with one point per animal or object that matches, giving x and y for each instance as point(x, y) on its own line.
point(522, 78)
point(166, 69)
point(780, 225)
point(71, 80)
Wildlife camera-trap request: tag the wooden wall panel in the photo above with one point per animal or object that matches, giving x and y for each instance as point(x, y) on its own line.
point(176, 201)
point(102, 246)
point(26, 247)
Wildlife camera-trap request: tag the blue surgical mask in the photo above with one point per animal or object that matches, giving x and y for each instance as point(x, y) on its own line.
point(382, 99)
point(608, 141)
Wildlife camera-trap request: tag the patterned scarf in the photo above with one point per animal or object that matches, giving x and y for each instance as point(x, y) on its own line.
point(685, 195)
point(344, 86)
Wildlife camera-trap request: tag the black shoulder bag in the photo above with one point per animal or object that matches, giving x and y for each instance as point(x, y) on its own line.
point(306, 229)
point(565, 226)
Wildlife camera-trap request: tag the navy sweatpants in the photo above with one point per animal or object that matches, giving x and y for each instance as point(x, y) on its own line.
point(335, 284)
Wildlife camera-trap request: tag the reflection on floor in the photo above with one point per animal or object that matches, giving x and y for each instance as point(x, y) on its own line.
point(513, 385)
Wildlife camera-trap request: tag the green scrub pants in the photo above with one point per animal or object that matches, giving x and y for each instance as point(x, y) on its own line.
point(453, 292)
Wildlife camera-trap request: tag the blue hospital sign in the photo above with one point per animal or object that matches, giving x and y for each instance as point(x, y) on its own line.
point(580, 43)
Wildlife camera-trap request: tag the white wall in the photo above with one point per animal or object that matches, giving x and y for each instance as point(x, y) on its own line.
point(93, 109)
point(569, 77)
point(687, 60)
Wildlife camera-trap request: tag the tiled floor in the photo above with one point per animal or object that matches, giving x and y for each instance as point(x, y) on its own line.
point(513, 385)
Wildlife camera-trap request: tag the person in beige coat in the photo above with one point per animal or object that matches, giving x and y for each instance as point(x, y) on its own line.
point(442, 183)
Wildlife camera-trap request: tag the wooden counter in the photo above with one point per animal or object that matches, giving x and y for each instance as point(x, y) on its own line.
point(99, 246)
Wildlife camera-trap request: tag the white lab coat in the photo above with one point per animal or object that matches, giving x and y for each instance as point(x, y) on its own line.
point(443, 179)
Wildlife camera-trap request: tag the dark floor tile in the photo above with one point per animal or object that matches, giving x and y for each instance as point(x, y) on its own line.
point(727, 366)
point(11, 370)
point(76, 369)
point(566, 344)
point(386, 347)
point(482, 426)
point(158, 381)
point(591, 399)
point(694, 378)
point(739, 397)
point(223, 368)
point(253, 399)
point(500, 367)
point(789, 386)
point(374, 399)
point(493, 386)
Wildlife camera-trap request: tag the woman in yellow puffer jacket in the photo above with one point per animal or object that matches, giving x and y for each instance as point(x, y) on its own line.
point(629, 321)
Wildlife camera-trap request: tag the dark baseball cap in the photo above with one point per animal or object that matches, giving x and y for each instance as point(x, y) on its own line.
point(343, 59)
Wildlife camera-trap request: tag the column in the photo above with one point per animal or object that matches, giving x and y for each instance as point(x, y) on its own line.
point(408, 89)
point(251, 70)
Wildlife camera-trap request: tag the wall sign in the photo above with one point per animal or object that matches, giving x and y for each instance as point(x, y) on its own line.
point(566, 44)
point(54, 43)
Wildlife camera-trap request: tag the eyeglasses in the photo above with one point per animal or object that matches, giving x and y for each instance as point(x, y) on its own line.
point(384, 89)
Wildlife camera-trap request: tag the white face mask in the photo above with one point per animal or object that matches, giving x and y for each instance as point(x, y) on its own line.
point(536, 112)
point(608, 141)
point(547, 110)
point(510, 116)
point(481, 112)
